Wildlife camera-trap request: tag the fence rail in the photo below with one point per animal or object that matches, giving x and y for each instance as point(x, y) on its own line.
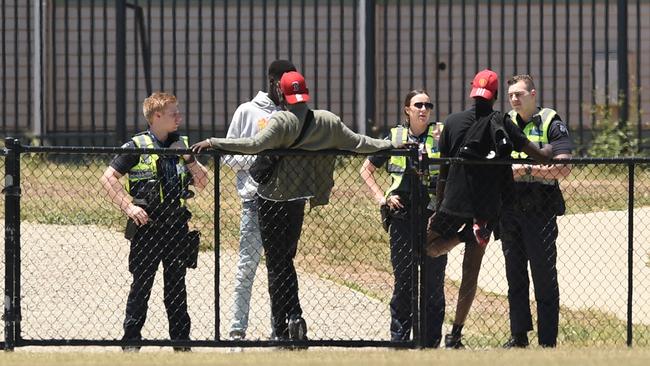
point(66, 275)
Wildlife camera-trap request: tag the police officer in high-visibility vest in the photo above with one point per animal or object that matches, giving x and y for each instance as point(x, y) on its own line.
point(397, 198)
point(528, 223)
point(154, 200)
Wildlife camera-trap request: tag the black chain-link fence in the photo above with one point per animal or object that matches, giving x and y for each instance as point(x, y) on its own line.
point(69, 279)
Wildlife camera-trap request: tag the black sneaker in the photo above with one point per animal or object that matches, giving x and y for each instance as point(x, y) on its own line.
point(182, 349)
point(130, 349)
point(298, 330)
point(516, 342)
point(454, 341)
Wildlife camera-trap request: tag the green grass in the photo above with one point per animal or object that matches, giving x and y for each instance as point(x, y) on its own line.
point(594, 188)
point(342, 241)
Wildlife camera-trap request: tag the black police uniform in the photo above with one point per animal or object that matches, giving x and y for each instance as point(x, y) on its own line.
point(401, 257)
point(160, 240)
point(528, 234)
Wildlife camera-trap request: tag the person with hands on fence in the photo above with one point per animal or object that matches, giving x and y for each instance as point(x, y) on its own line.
point(529, 221)
point(248, 119)
point(154, 199)
point(396, 204)
point(469, 196)
point(291, 181)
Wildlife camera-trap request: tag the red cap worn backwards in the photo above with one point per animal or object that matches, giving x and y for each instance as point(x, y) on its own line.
point(485, 84)
point(294, 88)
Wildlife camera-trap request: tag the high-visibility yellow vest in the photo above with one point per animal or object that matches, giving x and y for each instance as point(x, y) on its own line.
point(537, 131)
point(147, 169)
point(397, 164)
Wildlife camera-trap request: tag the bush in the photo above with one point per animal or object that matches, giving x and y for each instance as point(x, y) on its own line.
point(611, 138)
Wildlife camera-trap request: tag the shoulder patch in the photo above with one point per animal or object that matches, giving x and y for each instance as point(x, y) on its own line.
point(563, 130)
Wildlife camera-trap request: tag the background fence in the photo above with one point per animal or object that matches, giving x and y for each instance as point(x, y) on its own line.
point(75, 72)
point(71, 279)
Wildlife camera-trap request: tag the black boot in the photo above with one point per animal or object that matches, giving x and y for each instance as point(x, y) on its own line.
point(453, 340)
point(518, 340)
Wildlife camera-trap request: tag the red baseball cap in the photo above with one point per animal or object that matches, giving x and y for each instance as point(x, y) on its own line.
point(485, 84)
point(294, 88)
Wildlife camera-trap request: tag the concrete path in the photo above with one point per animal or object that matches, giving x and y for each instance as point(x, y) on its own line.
point(592, 263)
point(75, 282)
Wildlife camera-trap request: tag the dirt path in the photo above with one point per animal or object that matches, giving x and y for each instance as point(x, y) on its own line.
point(592, 264)
point(75, 282)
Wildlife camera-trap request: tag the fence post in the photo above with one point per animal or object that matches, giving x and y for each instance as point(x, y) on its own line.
point(369, 67)
point(144, 44)
point(630, 250)
point(12, 243)
point(217, 245)
point(621, 62)
point(415, 217)
point(120, 71)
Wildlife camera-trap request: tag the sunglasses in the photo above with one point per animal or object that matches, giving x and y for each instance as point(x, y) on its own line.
point(427, 105)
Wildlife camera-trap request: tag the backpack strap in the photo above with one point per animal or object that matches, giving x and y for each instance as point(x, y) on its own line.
point(308, 119)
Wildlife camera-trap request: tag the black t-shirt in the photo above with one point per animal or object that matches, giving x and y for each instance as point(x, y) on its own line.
point(166, 166)
point(474, 191)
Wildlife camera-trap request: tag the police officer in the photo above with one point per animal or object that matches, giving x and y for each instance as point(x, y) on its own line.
point(157, 186)
point(528, 225)
point(398, 198)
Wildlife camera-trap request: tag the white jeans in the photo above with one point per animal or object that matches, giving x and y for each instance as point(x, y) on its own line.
point(250, 252)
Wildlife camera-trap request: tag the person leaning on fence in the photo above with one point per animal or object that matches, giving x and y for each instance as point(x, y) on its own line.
point(248, 119)
point(294, 180)
point(529, 221)
point(396, 202)
point(469, 196)
point(154, 201)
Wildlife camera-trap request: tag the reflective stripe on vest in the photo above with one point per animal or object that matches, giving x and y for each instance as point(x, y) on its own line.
point(537, 131)
point(148, 169)
point(397, 164)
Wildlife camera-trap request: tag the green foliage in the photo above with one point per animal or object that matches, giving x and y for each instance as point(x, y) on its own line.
point(611, 138)
point(614, 141)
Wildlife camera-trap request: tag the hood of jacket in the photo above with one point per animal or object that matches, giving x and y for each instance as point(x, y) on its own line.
point(262, 101)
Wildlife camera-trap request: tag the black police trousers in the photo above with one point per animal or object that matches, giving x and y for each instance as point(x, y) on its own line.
point(151, 245)
point(529, 236)
point(433, 277)
point(280, 227)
